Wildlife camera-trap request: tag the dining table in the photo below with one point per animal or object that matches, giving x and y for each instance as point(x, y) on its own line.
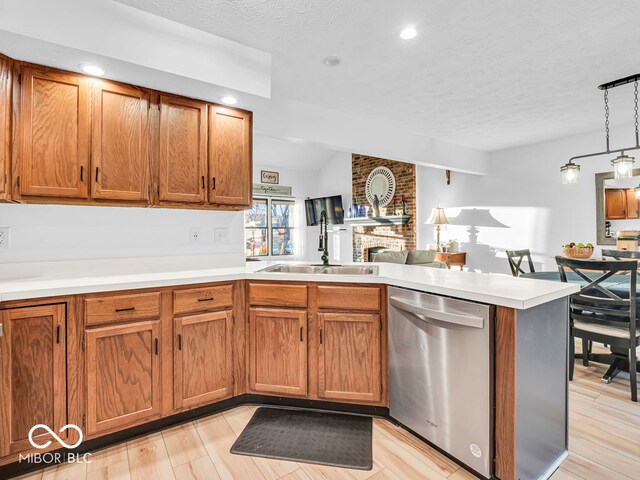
point(617, 284)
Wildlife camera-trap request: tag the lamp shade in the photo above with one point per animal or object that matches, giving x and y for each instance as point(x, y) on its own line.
point(437, 217)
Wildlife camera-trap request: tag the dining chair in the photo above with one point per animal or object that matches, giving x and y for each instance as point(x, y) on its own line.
point(620, 254)
point(597, 314)
point(515, 258)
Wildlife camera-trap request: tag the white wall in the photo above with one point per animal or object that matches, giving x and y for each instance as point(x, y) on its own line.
point(524, 192)
point(55, 232)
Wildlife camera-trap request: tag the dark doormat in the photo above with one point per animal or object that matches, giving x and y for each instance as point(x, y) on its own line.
point(323, 438)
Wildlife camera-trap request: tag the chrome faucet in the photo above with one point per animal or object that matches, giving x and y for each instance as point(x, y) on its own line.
point(324, 239)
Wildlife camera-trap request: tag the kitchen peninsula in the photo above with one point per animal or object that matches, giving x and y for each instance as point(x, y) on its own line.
point(134, 345)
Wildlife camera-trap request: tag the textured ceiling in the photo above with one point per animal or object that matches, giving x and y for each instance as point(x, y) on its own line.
point(485, 74)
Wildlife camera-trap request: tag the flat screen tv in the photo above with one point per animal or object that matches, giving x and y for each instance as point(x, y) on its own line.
point(331, 205)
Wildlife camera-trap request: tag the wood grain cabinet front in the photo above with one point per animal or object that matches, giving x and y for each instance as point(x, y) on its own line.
point(6, 81)
point(120, 142)
point(184, 174)
point(230, 156)
point(203, 359)
point(33, 375)
point(349, 357)
point(278, 351)
point(54, 135)
point(122, 375)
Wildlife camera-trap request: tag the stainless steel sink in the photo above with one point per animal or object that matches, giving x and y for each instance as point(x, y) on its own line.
point(350, 270)
point(331, 270)
point(282, 268)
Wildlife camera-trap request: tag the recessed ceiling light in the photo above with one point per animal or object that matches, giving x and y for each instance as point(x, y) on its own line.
point(229, 100)
point(331, 61)
point(92, 70)
point(408, 32)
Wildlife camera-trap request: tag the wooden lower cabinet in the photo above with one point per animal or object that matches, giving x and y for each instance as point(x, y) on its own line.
point(33, 376)
point(202, 359)
point(278, 351)
point(123, 375)
point(349, 356)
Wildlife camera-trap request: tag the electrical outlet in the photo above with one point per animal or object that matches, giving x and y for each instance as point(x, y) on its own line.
point(4, 237)
point(222, 236)
point(195, 235)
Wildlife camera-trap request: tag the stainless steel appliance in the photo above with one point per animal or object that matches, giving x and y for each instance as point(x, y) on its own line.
point(440, 373)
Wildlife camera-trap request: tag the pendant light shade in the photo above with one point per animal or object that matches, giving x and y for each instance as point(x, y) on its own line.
point(623, 166)
point(570, 172)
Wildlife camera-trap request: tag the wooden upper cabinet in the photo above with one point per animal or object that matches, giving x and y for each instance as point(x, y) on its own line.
point(183, 150)
point(5, 124)
point(278, 351)
point(615, 203)
point(632, 204)
point(230, 156)
point(32, 375)
point(202, 359)
point(120, 142)
point(53, 134)
point(349, 357)
point(123, 375)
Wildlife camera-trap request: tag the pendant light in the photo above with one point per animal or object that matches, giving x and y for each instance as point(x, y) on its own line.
point(622, 164)
point(570, 172)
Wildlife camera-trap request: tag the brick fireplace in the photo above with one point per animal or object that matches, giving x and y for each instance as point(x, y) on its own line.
point(391, 237)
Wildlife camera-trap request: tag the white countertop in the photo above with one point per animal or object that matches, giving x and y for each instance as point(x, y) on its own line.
point(47, 279)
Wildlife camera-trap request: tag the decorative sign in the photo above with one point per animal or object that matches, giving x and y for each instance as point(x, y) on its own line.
point(269, 177)
point(271, 190)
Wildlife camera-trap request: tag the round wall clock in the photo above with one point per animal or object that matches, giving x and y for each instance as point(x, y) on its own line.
point(382, 183)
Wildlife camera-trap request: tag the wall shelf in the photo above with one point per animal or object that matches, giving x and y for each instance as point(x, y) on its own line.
point(376, 221)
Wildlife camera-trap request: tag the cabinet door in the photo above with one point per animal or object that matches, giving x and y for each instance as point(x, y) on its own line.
point(54, 134)
point(5, 125)
point(230, 156)
point(632, 204)
point(32, 376)
point(123, 375)
point(349, 356)
point(203, 359)
point(278, 351)
point(120, 142)
point(615, 202)
point(183, 150)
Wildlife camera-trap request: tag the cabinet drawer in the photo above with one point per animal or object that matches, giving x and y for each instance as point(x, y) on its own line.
point(351, 298)
point(121, 308)
point(200, 299)
point(277, 295)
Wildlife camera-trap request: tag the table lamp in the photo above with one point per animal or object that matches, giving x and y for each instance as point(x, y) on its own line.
point(437, 218)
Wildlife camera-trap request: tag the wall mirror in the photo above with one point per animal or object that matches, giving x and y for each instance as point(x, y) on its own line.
point(617, 207)
point(380, 182)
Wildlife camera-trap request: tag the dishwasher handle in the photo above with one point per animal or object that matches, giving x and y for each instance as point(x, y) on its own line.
point(426, 314)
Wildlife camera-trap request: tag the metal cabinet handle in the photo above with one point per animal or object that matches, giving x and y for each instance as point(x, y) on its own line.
point(128, 309)
point(82, 173)
point(301, 333)
point(179, 342)
point(209, 299)
point(321, 336)
point(97, 170)
point(57, 333)
point(427, 314)
point(156, 342)
point(203, 182)
point(213, 183)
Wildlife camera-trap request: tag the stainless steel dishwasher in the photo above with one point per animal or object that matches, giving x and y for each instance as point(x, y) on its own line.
point(440, 373)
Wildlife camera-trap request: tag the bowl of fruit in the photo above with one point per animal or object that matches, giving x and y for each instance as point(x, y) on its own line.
point(578, 250)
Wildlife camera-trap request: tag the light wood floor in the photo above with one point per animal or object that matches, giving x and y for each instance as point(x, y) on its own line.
point(604, 445)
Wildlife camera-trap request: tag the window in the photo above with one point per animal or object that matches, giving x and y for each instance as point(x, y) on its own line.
point(269, 227)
